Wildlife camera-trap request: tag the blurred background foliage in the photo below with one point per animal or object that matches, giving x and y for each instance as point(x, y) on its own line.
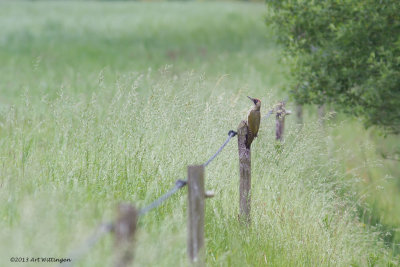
point(345, 53)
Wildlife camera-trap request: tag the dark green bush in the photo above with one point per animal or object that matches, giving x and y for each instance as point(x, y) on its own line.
point(346, 53)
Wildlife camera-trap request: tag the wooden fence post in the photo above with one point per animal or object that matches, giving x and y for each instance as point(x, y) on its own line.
point(299, 113)
point(245, 174)
point(321, 114)
point(124, 231)
point(196, 194)
point(281, 113)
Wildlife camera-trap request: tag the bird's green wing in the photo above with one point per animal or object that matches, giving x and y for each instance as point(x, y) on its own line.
point(253, 121)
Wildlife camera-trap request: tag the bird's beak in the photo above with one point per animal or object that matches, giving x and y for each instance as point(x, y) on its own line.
point(252, 99)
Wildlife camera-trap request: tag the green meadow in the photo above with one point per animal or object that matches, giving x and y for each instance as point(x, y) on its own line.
point(109, 102)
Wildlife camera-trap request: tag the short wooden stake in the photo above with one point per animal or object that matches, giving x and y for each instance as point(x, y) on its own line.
point(281, 113)
point(196, 194)
point(299, 113)
point(321, 114)
point(245, 174)
point(124, 231)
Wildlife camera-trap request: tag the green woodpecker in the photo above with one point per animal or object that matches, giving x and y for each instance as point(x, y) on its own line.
point(253, 121)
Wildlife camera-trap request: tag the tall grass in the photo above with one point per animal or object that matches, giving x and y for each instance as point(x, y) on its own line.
point(67, 167)
point(82, 130)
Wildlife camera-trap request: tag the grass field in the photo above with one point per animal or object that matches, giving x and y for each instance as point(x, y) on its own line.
point(106, 102)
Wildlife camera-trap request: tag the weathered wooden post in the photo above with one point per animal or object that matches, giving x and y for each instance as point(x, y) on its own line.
point(196, 194)
point(124, 231)
point(245, 174)
point(281, 113)
point(321, 114)
point(299, 113)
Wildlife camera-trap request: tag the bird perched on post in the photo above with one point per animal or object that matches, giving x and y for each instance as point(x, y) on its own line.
point(253, 121)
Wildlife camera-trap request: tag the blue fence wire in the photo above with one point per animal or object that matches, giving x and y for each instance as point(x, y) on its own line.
point(230, 135)
point(100, 231)
point(181, 183)
point(178, 185)
point(107, 227)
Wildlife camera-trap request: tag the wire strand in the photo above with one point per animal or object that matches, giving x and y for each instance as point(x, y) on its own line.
point(231, 134)
point(100, 231)
point(181, 183)
point(178, 185)
point(107, 227)
point(268, 114)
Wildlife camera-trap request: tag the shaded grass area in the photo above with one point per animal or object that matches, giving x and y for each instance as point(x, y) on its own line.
point(368, 160)
point(109, 102)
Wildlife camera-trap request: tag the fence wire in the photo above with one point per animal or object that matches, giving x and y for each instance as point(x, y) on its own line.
point(181, 183)
point(100, 231)
point(230, 135)
point(178, 185)
point(269, 114)
point(107, 227)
